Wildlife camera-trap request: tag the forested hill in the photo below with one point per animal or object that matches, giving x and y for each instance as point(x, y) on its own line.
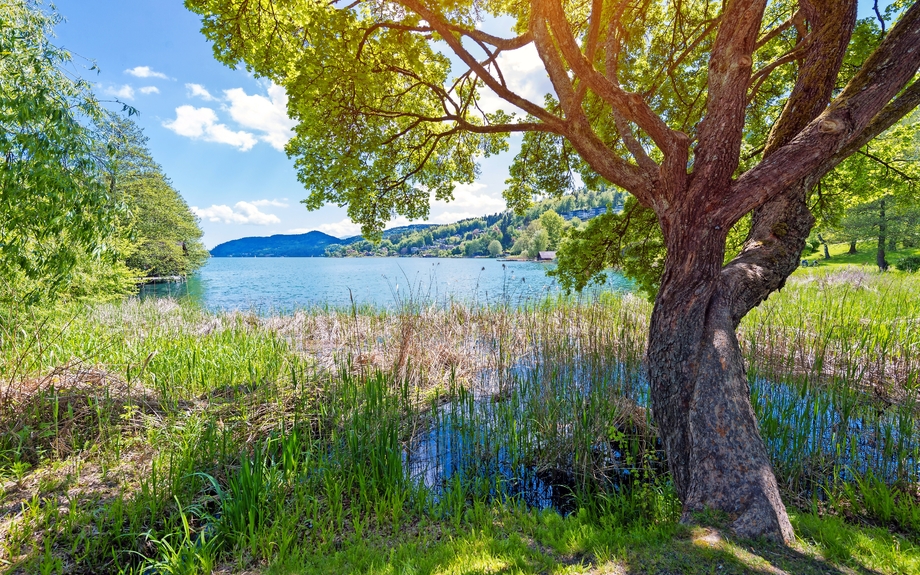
point(541, 227)
point(526, 234)
point(310, 244)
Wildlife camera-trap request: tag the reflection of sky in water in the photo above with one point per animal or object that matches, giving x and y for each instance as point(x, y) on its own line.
point(849, 431)
point(462, 445)
point(281, 284)
point(471, 438)
point(487, 438)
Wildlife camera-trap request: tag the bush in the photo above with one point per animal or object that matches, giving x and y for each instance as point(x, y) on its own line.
point(908, 264)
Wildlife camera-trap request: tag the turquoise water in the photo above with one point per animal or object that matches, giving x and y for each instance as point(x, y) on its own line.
point(283, 284)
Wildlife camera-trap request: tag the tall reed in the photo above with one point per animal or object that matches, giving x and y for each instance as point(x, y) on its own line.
point(140, 434)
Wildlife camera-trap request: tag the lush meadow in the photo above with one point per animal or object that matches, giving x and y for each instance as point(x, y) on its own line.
point(155, 437)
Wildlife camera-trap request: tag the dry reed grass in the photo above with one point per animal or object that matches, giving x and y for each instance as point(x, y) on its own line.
point(62, 410)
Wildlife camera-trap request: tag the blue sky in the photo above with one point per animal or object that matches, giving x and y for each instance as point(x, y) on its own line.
point(219, 133)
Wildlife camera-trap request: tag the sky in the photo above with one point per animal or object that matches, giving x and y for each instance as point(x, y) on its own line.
point(220, 133)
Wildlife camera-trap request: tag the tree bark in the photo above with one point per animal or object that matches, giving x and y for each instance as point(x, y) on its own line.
point(852, 247)
point(704, 414)
point(699, 386)
point(827, 253)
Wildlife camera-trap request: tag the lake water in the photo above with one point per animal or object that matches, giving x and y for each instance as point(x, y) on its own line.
point(283, 284)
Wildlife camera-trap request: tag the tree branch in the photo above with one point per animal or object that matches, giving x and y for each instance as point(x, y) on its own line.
point(891, 66)
point(888, 166)
point(633, 107)
point(674, 145)
point(777, 31)
point(710, 26)
point(594, 28)
point(886, 118)
point(633, 145)
point(555, 67)
point(719, 141)
point(878, 15)
point(612, 48)
point(446, 31)
point(578, 129)
point(761, 76)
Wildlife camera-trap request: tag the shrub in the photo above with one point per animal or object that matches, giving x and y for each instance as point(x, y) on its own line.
point(909, 264)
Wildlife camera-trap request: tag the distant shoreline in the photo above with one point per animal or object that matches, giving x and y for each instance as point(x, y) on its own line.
point(394, 256)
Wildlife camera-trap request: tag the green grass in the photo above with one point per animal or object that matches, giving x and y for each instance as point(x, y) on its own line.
point(512, 540)
point(140, 436)
point(864, 256)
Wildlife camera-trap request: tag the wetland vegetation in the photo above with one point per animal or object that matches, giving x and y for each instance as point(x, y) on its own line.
point(156, 437)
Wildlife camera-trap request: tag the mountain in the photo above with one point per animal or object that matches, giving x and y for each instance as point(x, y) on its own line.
point(310, 244)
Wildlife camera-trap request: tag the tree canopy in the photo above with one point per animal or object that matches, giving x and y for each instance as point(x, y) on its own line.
point(873, 193)
point(164, 233)
point(54, 209)
point(84, 209)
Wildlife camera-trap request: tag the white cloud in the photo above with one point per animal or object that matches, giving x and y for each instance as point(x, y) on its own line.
point(468, 196)
point(125, 92)
point(201, 123)
point(451, 217)
point(199, 91)
point(267, 115)
point(264, 117)
point(145, 72)
point(525, 75)
point(240, 213)
point(149, 90)
point(472, 197)
point(343, 229)
point(276, 203)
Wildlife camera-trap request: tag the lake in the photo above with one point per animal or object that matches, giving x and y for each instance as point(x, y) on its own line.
point(280, 285)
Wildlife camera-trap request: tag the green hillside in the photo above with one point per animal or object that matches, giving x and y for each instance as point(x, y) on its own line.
point(516, 234)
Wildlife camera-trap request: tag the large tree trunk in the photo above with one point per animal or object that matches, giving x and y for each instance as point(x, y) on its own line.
point(700, 392)
point(701, 402)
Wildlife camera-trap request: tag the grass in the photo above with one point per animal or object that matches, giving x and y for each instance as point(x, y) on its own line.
point(154, 437)
point(864, 256)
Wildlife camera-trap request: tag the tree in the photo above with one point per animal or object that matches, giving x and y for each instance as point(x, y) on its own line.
point(524, 239)
point(495, 248)
point(554, 226)
point(887, 220)
point(657, 98)
point(539, 241)
point(878, 188)
point(168, 238)
point(165, 232)
point(54, 210)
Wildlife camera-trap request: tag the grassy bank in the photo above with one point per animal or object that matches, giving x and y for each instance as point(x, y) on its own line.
point(865, 256)
point(157, 438)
